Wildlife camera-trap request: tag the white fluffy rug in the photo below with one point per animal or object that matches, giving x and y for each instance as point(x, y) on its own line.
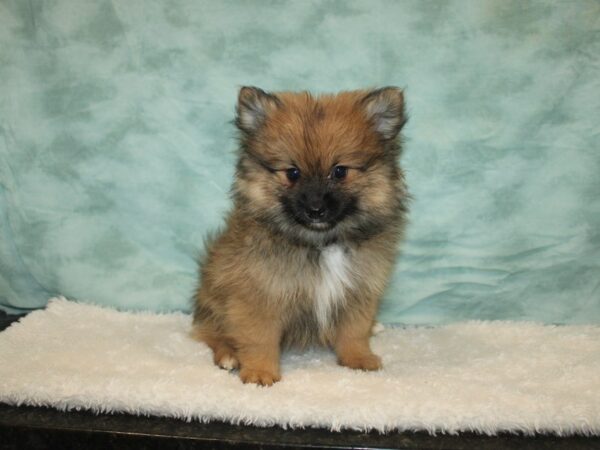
point(477, 376)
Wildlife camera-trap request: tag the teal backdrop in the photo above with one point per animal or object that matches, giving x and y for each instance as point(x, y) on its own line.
point(117, 147)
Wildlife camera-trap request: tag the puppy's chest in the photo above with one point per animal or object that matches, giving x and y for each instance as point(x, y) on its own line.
point(334, 278)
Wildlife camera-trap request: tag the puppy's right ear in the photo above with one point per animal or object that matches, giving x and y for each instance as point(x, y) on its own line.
point(253, 108)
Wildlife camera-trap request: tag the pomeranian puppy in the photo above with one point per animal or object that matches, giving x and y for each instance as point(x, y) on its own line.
point(319, 206)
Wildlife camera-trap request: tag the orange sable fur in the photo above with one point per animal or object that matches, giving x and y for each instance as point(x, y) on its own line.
point(276, 277)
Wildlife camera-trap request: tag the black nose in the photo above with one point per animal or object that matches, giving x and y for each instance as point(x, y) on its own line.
point(315, 206)
point(315, 212)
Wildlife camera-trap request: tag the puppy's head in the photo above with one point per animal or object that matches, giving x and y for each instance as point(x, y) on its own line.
point(320, 169)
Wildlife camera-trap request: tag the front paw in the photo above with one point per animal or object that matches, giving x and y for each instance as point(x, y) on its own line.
point(259, 376)
point(368, 361)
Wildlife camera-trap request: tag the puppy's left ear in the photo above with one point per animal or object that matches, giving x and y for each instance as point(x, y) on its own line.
point(385, 109)
point(253, 108)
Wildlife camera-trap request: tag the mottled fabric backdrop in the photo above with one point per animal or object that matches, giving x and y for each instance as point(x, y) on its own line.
point(117, 147)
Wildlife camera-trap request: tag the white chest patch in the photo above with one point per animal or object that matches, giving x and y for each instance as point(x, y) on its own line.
point(335, 279)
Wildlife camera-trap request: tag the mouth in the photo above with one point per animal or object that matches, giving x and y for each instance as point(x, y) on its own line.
point(318, 225)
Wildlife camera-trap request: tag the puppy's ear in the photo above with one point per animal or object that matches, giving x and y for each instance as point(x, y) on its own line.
point(253, 108)
point(385, 109)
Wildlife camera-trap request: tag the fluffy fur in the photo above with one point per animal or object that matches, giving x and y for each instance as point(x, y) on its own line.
point(319, 206)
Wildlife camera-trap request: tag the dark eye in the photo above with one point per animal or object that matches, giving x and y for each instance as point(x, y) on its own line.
point(340, 172)
point(293, 174)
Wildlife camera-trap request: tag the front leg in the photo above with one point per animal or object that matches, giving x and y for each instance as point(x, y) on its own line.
point(352, 340)
point(257, 340)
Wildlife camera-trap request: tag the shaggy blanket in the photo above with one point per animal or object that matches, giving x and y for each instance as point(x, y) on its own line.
point(486, 377)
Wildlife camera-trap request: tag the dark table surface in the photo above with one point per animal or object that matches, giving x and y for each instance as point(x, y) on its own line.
point(25, 427)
